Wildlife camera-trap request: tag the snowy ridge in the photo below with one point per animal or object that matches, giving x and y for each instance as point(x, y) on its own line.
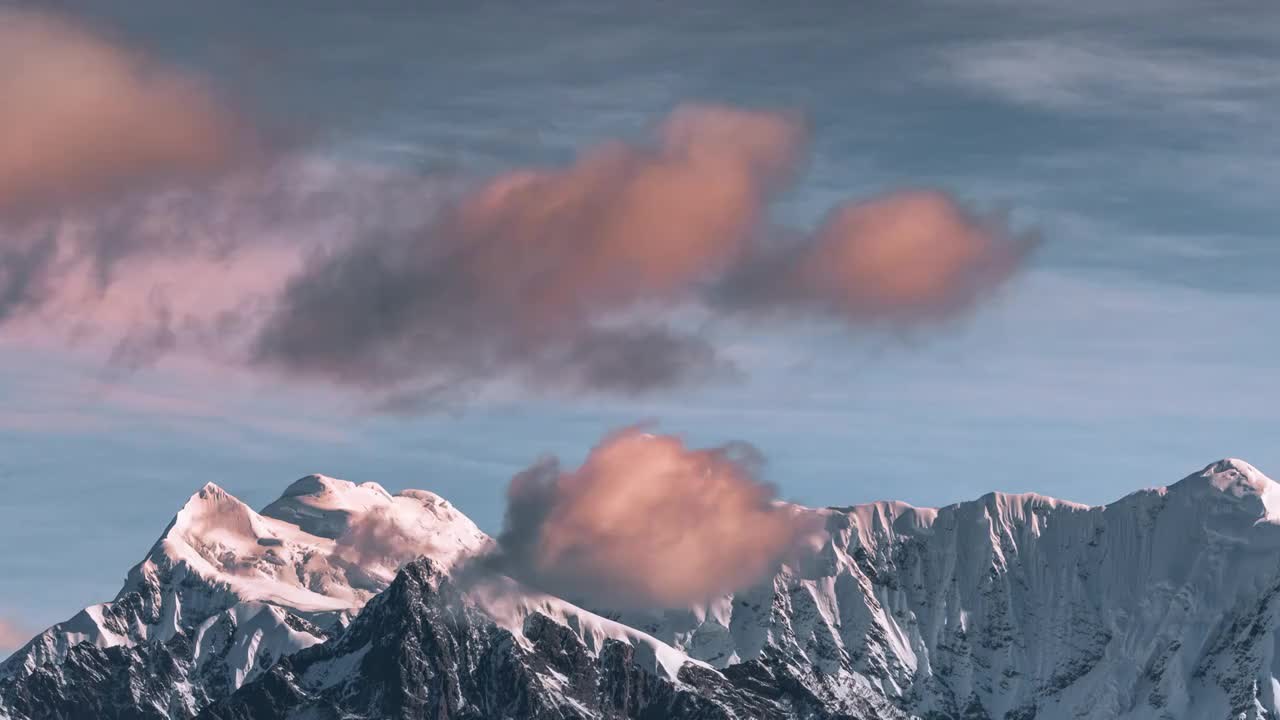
point(1162, 605)
point(228, 591)
point(510, 605)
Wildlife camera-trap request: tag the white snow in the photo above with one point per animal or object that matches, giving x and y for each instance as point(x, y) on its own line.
point(510, 603)
point(1027, 601)
point(219, 559)
point(323, 506)
point(1164, 604)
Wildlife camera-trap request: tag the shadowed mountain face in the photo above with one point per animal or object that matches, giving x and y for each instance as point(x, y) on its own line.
point(422, 649)
point(1160, 605)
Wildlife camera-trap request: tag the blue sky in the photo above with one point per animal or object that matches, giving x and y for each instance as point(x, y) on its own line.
point(1137, 346)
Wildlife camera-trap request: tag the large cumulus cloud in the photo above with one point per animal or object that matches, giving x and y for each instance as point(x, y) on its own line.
point(647, 522)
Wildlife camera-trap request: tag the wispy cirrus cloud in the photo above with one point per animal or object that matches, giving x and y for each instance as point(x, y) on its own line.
point(1096, 73)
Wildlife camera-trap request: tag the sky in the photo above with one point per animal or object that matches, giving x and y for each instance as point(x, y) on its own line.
point(1133, 345)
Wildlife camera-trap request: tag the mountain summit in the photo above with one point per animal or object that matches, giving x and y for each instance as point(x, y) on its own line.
point(1163, 604)
point(223, 594)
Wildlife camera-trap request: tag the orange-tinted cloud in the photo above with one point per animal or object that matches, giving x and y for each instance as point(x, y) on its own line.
point(410, 289)
point(907, 255)
point(903, 257)
point(11, 638)
point(648, 522)
point(84, 116)
point(528, 274)
point(519, 274)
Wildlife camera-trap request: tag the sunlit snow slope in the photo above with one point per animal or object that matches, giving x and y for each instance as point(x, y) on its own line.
point(1163, 604)
point(226, 591)
point(1160, 605)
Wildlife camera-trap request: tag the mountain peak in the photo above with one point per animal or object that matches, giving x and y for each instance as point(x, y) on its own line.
point(1237, 481)
point(209, 501)
point(210, 491)
point(1235, 476)
point(1228, 465)
point(316, 484)
point(324, 506)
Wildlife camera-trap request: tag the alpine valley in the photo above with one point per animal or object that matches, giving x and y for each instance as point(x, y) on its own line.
point(341, 600)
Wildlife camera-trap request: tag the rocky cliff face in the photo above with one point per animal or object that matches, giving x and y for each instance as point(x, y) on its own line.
point(1161, 605)
point(426, 649)
point(1010, 607)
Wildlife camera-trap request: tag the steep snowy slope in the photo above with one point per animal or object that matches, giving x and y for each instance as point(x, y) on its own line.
point(426, 649)
point(1161, 605)
point(225, 593)
point(1164, 604)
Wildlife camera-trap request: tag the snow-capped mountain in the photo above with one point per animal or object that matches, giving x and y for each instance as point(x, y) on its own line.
point(1163, 604)
point(223, 594)
point(1011, 607)
point(426, 648)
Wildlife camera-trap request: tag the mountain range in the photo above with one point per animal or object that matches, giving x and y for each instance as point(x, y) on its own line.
point(341, 600)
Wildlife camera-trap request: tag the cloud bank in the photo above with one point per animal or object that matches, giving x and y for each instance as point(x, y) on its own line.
point(84, 117)
point(648, 523)
point(522, 273)
point(405, 288)
point(566, 278)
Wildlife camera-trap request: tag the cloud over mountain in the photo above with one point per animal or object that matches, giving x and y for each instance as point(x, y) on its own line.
point(648, 522)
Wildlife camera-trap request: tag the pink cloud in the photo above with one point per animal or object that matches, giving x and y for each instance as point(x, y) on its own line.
point(648, 522)
point(84, 116)
point(518, 275)
point(906, 255)
point(11, 637)
point(412, 291)
point(628, 222)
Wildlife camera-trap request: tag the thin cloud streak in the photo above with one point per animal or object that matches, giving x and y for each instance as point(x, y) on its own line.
point(1102, 75)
